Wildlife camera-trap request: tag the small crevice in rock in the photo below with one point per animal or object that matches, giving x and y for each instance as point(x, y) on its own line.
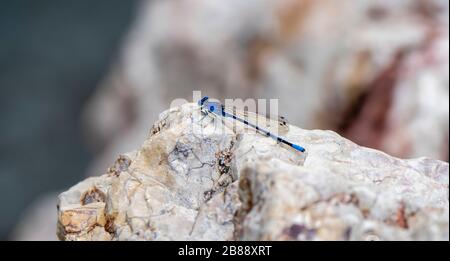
point(157, 127)
point(109, 224)
point(92, 196)
point(223, 163)
point(401, 219)
point(299, 231)
point(121, 165)
point(182, 152)
point(182, 149)
point(224, 159)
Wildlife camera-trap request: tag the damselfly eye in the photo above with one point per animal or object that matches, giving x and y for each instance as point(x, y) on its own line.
point(211, 108)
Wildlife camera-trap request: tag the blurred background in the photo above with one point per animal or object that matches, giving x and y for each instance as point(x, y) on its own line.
point(83, 81)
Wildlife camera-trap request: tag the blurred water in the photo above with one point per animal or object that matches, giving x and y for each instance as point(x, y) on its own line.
point(52, 55)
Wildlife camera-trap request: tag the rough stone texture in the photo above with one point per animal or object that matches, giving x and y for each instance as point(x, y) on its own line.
point(198, 179)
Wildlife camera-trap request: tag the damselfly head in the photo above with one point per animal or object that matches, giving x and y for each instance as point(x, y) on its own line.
point(210, 106)
point(213, 107)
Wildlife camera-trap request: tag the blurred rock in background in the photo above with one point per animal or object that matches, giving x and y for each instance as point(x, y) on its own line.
point(375, 71)
point(37, 223)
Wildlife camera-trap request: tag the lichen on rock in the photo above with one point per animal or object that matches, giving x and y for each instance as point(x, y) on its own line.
point(196, 179)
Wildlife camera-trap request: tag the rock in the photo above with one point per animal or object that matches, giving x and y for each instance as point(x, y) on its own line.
point(198, 179)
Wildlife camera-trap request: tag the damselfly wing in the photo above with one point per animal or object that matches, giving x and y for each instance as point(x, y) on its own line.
point(273, 123)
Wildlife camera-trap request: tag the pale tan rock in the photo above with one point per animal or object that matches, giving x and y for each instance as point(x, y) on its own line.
point(201, 180)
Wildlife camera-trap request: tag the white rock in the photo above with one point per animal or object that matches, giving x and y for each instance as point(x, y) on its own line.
point(200, 180)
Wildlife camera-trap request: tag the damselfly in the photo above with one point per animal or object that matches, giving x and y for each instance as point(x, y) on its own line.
point(216, 108)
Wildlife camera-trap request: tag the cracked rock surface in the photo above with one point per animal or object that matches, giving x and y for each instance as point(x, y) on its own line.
point(199, 179)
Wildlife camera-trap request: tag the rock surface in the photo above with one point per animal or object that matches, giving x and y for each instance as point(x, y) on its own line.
point(201, 180)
